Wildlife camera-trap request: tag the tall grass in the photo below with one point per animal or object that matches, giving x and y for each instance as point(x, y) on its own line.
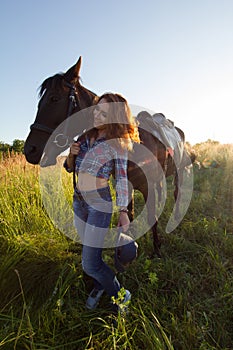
point(182, 301)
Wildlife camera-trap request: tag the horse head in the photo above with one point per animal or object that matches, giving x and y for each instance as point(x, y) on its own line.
point(61, 96)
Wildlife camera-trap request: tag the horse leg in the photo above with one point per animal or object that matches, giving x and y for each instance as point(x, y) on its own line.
point(149, 197)
point(156, 241)
point(159, 191)
point(131, 204)
point(178, 179)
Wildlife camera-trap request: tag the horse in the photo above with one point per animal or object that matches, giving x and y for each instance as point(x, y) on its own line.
point(61, 96)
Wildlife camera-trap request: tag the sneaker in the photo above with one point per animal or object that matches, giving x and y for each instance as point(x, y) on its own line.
point(94, 298)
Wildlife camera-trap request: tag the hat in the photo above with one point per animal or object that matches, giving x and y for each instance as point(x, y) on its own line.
point(125, 252)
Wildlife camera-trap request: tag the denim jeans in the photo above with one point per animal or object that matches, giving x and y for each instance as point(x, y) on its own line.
point(93, 211)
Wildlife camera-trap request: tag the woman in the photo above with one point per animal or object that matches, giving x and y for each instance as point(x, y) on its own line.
point(99, 153)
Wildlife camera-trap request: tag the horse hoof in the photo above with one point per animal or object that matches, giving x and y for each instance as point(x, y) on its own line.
point(156, 254)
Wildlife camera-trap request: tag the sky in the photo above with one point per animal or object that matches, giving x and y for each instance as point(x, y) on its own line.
point(168, 56)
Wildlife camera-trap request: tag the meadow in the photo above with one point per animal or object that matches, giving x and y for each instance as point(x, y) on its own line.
point(183, 301)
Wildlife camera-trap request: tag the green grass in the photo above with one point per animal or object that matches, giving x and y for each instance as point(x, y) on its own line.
point(182, 301)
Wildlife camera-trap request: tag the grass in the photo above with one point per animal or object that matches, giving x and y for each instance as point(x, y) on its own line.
point(182, 301)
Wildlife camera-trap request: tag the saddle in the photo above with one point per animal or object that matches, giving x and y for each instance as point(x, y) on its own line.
point(164, 130)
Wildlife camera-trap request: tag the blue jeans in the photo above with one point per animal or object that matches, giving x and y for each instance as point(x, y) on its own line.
point(93, 211)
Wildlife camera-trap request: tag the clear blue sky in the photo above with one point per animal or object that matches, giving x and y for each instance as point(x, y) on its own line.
point(170, 56)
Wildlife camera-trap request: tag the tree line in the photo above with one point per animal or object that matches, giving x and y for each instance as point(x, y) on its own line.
point(16, 147)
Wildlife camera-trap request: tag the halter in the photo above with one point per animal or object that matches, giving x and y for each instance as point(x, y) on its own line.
point(73, 104)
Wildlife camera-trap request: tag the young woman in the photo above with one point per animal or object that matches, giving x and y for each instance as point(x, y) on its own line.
point(101, 152)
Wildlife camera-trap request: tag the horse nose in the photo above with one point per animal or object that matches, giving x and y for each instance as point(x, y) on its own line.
point(28, 148)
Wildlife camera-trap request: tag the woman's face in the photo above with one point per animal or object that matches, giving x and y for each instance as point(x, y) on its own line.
point(101, 114)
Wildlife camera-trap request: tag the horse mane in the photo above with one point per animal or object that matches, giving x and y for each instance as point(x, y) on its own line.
point(56, 82)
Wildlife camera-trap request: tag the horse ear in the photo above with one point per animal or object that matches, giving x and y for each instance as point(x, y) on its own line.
point(72, 74)
point(77, 67)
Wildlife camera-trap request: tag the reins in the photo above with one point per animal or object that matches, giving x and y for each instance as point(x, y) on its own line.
point(74, 175)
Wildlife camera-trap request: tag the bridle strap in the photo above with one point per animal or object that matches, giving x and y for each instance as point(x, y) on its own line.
point(41, 127)
point(73, 99)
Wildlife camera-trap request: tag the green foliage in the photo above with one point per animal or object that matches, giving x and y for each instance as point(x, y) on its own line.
point(18, 146)
point(183, 301)
point(6, 149)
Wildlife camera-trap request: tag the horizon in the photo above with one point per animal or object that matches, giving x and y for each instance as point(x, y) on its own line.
point(173, 57)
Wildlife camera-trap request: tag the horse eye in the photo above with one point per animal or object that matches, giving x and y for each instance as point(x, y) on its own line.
point(54, 98)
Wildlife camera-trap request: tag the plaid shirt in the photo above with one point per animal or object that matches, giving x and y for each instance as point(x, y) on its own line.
point(102, 160)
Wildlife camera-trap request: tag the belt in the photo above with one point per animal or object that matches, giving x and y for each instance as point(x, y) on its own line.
point(96, 193)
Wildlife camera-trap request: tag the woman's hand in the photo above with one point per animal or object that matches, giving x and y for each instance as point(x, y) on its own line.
point(74, 149)
point(123, 221)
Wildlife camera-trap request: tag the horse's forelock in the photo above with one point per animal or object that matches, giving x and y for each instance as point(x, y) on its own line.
point(51, 82)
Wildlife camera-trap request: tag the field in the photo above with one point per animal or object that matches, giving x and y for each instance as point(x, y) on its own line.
point(182, 301)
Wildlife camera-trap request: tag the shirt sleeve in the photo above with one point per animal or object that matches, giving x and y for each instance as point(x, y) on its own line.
point(121, 177)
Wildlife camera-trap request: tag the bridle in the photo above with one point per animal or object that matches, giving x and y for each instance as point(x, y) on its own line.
point(74, 103)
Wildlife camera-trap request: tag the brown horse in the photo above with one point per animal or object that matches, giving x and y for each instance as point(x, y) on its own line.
point(61, 96)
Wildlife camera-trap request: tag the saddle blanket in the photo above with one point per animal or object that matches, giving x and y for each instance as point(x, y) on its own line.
point(164, 130)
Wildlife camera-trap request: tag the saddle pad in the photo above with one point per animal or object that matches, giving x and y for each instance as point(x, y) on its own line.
point(164, 130)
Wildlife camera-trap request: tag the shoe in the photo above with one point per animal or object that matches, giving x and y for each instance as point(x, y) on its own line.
point(94, 298)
